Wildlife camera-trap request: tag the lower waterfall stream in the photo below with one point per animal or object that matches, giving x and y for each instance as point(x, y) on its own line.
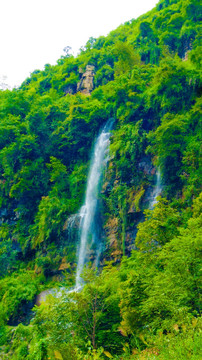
point(157, 190)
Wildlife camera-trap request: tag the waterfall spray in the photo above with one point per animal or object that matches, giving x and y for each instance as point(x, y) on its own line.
point(88, 227)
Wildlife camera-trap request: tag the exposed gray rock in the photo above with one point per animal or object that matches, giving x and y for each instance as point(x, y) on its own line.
point(85, 85)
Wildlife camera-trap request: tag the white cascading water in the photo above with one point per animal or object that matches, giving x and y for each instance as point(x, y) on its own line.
point(88, 212)
point(157, 190)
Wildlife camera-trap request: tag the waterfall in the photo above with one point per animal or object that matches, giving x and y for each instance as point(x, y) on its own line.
point(157, 190)
point(89, 227)
point(88, 217)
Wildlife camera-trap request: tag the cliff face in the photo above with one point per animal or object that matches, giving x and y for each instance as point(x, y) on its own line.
point(122, 214)
point(85, 85)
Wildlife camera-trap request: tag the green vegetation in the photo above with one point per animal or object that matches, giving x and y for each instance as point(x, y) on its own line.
point(145, 301)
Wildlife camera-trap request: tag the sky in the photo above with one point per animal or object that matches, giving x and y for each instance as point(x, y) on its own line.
point(35, 32)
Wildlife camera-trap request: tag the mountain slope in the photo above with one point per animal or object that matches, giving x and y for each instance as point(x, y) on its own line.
point(145, 75)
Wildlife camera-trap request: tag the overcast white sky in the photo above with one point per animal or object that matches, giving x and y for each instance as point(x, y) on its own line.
point(35, 32)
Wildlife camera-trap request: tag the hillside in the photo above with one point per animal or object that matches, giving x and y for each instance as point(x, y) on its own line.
point(143, 302)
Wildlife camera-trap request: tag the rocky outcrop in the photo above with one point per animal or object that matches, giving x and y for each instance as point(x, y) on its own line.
point(85, 85)
point(187, 47)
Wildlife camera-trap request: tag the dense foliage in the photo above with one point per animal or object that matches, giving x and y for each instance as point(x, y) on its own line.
point(145, 302)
